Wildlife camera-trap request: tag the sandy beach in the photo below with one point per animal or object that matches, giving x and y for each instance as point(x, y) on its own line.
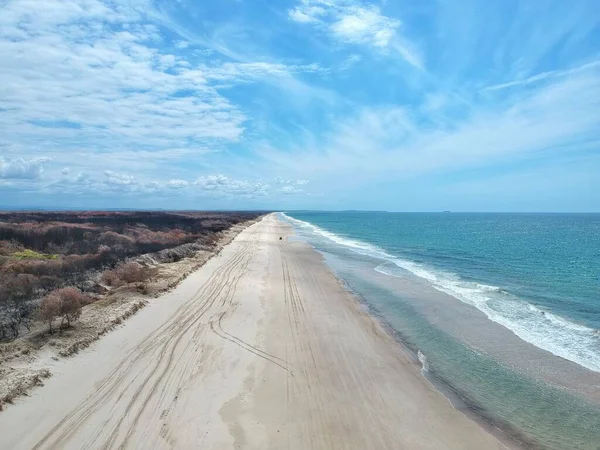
point(261, 348)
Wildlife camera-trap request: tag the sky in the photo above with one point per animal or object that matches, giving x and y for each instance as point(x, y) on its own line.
point(429, 105)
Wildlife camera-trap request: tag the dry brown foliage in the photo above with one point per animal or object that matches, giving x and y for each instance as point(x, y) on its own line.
point(44, 251)
point(65, 303)
point(49, 309)
point(126, 273)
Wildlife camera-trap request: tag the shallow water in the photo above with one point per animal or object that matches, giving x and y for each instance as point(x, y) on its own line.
point(480, 336)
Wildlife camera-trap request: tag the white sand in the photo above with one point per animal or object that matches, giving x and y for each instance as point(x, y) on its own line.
point(260, 348)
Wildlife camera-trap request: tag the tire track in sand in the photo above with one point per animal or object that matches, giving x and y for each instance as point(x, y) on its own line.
point(217, 328)
point(160, 343)
point(301, 333)
point(226, 294)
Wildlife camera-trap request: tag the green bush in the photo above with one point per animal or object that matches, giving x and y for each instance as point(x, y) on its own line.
point(31, 254)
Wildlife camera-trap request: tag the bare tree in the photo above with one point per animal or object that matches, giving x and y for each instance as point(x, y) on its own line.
point(15, 309)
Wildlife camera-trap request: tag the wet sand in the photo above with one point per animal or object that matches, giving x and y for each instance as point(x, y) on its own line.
point(485, 336)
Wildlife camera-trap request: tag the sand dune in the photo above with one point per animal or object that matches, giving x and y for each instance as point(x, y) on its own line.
point(260, 348)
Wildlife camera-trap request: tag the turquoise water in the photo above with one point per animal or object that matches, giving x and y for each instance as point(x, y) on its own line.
point(536, 275)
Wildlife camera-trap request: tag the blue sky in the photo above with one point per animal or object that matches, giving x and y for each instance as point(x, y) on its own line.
point(297, 104)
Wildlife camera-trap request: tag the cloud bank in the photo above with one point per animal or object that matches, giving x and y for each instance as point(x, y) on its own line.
point(309, 104)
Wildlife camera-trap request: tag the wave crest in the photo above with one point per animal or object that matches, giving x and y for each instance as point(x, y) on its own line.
point(423, 361)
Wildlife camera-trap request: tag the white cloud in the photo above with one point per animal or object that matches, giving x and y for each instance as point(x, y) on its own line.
point(82, 178)
point(181, 45)
point(221, 184)
point(217, 186)
point(532, 79)
point(21, 168)
point(65, 64)
point(65, 171)
point(150, 187)
point(352, 22)
point(298, 15)
point(394, 142)
point(542, 76)
point(120, 179)
point(350, 62)
point(290, 190)
point(290, 181)
point(364, 26)
point(92, 74)
point(314, 11)
point(240, 72)
point(177, 184)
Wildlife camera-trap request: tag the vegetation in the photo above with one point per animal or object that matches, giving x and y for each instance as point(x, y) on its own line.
point(63, 303)
point(31, 254)
point(126, 273)
point(47, 259)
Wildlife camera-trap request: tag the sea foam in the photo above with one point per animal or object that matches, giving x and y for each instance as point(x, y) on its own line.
point(423, 361)
point(548, 331)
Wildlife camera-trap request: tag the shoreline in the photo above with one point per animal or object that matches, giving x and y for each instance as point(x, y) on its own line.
point(262, 347)
point(503, 432)
point(515, 389)
point(445, 314)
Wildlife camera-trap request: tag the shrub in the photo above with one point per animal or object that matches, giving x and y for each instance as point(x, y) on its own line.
point(9, 247)
point(103, 249)
point(31, 254)
point(49, 309)
point(130, 272)
point(111, 278)
point(118, 242)
point(133, 272)
point(65, 303)
point(71, 301)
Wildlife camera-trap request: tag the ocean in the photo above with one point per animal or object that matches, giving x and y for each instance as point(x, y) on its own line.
point(502, 311)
